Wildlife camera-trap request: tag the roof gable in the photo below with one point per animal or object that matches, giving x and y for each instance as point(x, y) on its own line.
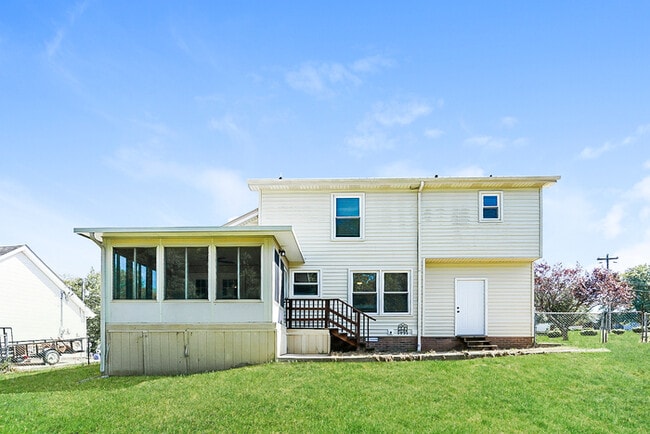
point(7, 252)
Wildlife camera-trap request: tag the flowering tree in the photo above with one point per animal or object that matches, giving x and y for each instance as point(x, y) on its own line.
point(559, 289)
point(605, 289)
point(565, 289)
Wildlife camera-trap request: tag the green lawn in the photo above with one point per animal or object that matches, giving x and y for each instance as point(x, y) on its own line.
point(588, 392)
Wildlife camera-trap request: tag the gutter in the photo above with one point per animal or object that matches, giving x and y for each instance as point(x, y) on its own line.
point(419, 269)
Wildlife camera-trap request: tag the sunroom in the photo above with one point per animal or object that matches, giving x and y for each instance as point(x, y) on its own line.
point(180, 300)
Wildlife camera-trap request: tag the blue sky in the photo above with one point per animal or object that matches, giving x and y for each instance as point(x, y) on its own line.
point(116, 113)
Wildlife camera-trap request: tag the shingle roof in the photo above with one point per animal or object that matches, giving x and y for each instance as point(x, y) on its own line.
point(6, 249)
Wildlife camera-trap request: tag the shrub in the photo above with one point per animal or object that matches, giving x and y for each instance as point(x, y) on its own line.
point(618, 331)
point(554, 334)
point(589, 332)
point(637, 329)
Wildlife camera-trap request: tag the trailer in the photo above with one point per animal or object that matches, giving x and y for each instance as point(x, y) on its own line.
point(48, 350)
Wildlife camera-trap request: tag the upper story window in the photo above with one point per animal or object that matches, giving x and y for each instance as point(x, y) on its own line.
point(348, 216)
point(305, 283)
point(491, 208)
point(134, 273)
point(186, 273)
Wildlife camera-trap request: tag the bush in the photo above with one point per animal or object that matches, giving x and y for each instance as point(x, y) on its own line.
point(618, 331)
point(554, 334)
point(589, 332)
point(637, 329)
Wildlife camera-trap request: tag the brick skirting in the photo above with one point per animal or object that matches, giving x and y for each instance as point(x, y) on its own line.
point(400, 344)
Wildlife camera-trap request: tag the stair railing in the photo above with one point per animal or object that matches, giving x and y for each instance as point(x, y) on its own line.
point(328, 313)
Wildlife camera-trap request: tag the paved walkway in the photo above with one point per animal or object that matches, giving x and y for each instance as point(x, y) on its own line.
point(448, 355)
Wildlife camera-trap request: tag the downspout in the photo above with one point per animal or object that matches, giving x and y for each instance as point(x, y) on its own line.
point(419, 267)
point(103, 305)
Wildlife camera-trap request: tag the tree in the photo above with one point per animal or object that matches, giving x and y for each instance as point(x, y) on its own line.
point(560, 289)
point(639, 279)
point(605, 289)
point(92, 298)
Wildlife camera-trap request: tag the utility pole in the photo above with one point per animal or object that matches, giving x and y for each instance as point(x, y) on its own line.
point(608, 258)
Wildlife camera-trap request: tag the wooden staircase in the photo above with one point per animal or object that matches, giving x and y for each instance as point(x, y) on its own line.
point(474, 343)
point(348, 326)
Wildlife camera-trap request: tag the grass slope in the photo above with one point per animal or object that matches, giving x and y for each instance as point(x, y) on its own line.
point(595, 392)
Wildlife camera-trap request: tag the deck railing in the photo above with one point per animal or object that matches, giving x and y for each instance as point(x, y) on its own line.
point(328, 313)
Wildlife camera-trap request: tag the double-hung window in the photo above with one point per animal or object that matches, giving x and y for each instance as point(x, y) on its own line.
point(490, 206)
point(186, 273)
point(396, 292)
point(305, 283)
point(134, 273)
point(364, 291)
point(385, 292)
point(347, 211)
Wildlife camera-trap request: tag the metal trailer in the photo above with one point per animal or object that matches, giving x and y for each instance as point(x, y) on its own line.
point(49, 350)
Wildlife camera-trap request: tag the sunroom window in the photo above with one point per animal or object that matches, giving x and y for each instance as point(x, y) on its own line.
point(134, 273)
point(186, 273)
point(239, 275)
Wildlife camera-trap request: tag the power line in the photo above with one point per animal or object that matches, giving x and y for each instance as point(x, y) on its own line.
point(608, 258)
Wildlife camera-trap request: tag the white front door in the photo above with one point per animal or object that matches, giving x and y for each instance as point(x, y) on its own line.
point(470, 307)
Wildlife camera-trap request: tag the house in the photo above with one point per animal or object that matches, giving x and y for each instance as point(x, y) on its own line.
point(401, 264)
point(34, 301)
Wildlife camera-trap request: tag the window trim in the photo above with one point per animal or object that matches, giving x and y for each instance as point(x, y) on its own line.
point(381, 289)
point(362, 218)
point(318, 283)
point(216, 281)
point(499, 206)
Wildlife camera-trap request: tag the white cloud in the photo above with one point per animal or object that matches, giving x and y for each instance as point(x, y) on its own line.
point(641, 190)
point(227, 188)
point(399, 113)
point(646, 165)
point(591, 152)
point(322, 79)
point(509, 121)
point(611, 224)
point(487, 142)
point(53, 46)
point(433, 133)
point(319, 79)
point(227, 125)
point(372, 63)
point(368, 141)
point(373, 132)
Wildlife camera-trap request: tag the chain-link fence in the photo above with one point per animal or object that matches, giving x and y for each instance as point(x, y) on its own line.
point(586, 327)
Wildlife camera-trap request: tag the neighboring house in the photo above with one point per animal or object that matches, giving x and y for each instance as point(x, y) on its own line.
point(34, 301)
point(389, 264)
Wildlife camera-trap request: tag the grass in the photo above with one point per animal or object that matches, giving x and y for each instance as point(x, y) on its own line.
point(584, 392)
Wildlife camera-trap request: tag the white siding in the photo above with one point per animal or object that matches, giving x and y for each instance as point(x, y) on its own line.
point(189, 311)
point(147, 349)
point(509, 295)
point(30, 303)
point(389, 244)
point(451, 227)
